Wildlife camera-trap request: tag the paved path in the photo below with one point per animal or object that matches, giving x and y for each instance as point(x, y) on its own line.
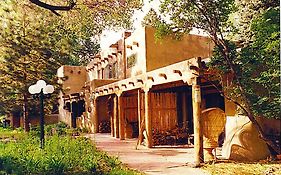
point(161, 160)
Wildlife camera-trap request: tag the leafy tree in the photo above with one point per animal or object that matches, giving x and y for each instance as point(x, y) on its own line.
point(35, 42)
point(217, 18)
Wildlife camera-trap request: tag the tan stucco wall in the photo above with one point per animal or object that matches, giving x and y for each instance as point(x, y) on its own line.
point(64, 115)
point(100, 82)
point(230, 108)
point(168, 50)
point(75, 78)
point(138, 37)
point(48, 119)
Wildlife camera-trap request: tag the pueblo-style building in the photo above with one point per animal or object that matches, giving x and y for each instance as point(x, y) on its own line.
point(140, 87)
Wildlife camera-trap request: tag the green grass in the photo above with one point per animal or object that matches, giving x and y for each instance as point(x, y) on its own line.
point(61, 155)
point(8, 133)
point(239, 168)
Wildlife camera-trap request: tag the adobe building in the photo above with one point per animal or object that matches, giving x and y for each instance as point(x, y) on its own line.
point(139, 86)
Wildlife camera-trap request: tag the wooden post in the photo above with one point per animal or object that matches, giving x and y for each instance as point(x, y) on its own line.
point(148, 119)
point(124, 56)
point(121, 117)
point(110, 113)
point(140, 120)
point(196, 104)
point(115, 116)
point(96, 119)
point(184, 111)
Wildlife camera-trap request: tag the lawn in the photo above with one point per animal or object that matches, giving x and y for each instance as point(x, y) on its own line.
point(63, 154)
point(244, 168)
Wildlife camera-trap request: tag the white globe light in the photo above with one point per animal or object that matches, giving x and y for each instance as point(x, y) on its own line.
point(33, 89)
point(48, 89)
point(41, 84)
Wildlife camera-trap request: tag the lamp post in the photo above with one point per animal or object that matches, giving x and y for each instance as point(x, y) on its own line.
point(41, 90)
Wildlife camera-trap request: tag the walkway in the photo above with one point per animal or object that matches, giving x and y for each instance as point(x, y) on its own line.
point(161, 160)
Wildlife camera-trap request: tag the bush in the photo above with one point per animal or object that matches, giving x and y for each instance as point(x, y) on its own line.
point(61, 155)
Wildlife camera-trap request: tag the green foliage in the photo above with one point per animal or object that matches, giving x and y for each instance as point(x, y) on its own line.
point(61, 155)
point(261, 61)
point(206, 15)
point(8, 133)
point(35, 43)
point(257, 65)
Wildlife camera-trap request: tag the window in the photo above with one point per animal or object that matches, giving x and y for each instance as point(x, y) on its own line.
point(110, 71)
point(98, 74)
point(114, 70)
point(131, 60)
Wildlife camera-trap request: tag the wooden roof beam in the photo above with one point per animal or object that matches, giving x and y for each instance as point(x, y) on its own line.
point(150, 78)
point(139, 80)
point(115, 45)
point(129, 47)
point(163, 75)
point(136, 43)
point(177, 72)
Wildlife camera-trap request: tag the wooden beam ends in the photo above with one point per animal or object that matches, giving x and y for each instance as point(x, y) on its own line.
point(150, 78)
point(129, 47)
point(124, 85)
point(136, 43)
point(177, 72)
point(140, 81)
point(163, 75)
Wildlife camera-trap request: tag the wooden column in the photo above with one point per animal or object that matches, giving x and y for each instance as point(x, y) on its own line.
point(184, 111)
point(140, 118)
point(115, 116)
point(95, 117)
point(121, 117)
point(196, 105)
point(148, 119)
point(110, 113)
point(198, 137)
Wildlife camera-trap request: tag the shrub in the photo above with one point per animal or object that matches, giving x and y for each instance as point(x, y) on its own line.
point(61, 155)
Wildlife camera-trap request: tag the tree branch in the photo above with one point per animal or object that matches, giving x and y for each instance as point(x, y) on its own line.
point(53, 8)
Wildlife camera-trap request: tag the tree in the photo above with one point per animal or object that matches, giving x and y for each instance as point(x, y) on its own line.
point(214, 17)
point(35, 42)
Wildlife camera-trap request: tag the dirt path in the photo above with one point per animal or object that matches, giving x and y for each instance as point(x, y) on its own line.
point(160, 160)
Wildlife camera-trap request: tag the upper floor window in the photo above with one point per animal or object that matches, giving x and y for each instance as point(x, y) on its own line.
point(99, 74)
point(110, 71)
point(131, 60)
point(114, 70)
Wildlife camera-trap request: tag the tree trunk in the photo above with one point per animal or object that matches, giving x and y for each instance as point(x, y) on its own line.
point(25, 114)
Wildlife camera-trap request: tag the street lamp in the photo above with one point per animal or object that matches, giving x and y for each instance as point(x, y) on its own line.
point(41, 90)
